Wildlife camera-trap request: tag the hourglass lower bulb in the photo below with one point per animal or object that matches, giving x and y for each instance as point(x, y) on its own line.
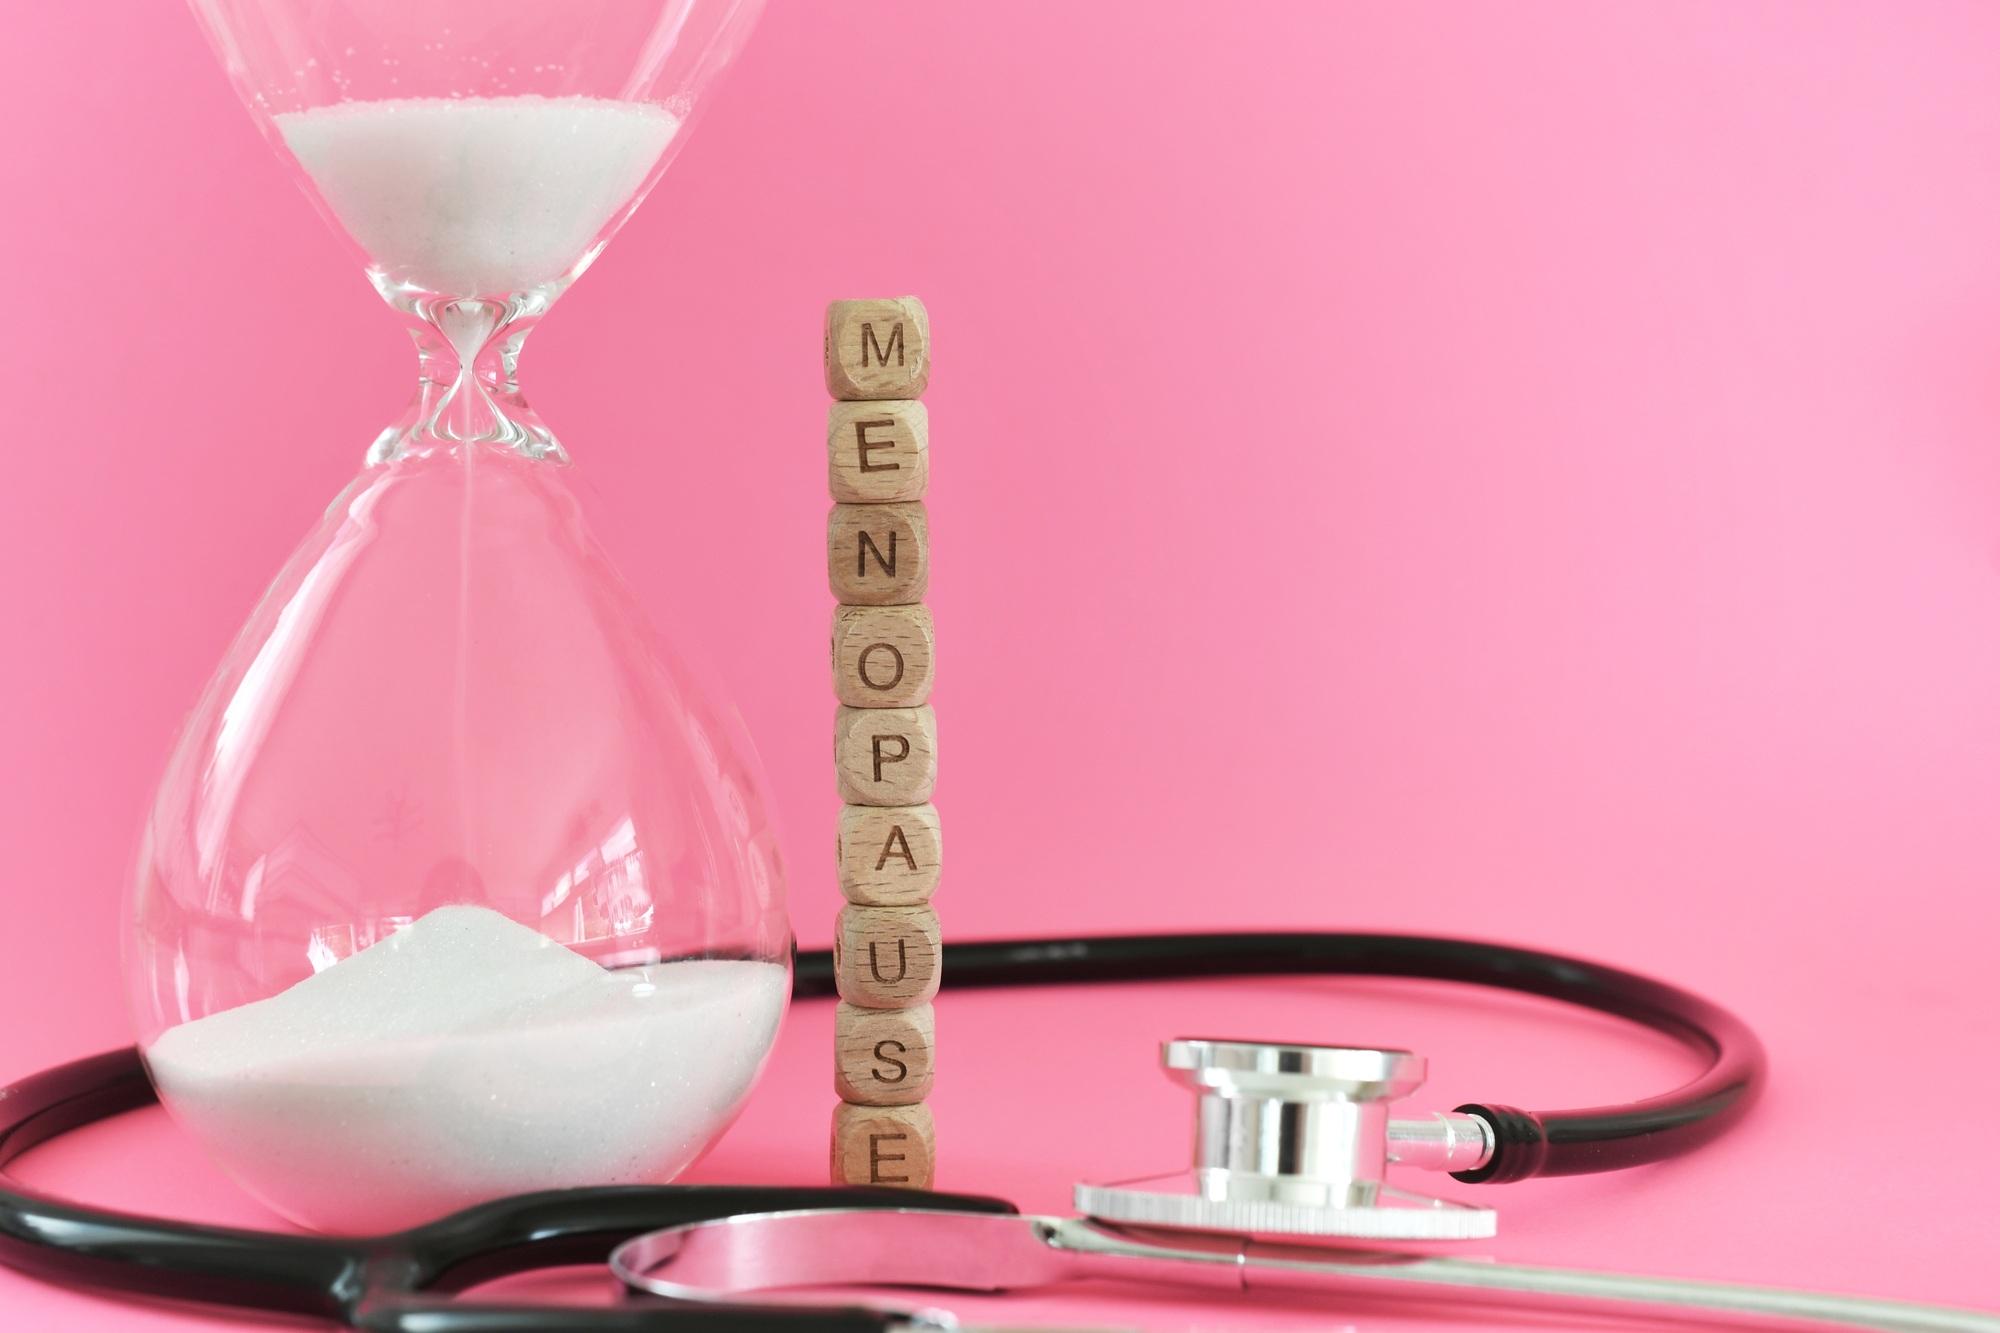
point(455, 885)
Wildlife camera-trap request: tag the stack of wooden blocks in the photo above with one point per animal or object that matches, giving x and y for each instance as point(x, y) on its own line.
point(886, 945)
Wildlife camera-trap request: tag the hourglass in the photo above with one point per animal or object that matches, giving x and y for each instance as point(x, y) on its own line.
point(455, 886)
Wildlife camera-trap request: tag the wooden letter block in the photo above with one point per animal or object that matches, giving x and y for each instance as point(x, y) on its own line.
point(878, 349)
point(890, 857)
point(878, 555)
point(883, 1057)
point(878, 453)
point(882, 656)
point(887, 957)
point(885, 756)
point(884, 1145)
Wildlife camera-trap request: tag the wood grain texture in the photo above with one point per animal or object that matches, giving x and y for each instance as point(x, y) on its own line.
point(878, 453)
point(883, 1057)
point(878, 555)
point(885, 756)
point(886, 957)
point(878, 348)
point(883, 656)
point(889, 856)
point(884, 1145)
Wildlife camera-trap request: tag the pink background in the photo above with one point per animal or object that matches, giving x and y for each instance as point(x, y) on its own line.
point(1522, 470)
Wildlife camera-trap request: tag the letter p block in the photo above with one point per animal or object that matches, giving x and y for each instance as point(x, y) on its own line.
point(885, 756)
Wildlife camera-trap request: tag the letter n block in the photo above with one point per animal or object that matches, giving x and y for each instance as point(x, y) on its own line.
point(878, 349)
point(887, 957)
point(885, 756)
point(882, 1057)
point(878, 555)
point(890, 856)
point(877, 453)
point(884, 1145)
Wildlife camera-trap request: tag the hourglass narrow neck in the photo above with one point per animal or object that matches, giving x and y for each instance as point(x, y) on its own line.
point(468, 350)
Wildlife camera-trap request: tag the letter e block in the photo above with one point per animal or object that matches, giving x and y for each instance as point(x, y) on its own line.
point(882, 656)
point(890, 857)
point(878, 349)
point(878, 555)
point(885, 756)
point(884, 1145)
point(878, 453)
point(887, 957)
point(883, 1057)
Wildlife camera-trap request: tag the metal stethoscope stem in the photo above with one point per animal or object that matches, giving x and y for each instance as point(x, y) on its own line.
point(724, 1261)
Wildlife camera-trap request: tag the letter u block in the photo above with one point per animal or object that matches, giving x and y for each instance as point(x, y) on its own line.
point(887, 957)
point(885, 756)
point(878, 349)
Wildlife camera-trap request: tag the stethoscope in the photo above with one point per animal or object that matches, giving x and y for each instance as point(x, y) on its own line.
point(1292, 1142)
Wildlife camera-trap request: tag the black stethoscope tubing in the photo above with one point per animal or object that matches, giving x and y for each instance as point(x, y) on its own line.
point(403, 1283)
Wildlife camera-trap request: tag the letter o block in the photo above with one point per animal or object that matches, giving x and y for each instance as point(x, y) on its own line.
point(884, 1145)
point(882, 656)
point(878, 453)
point(878, 555)
point(878, 349)
point(885, 756)
point(883, 1057)
point(890, 857)
point(887, 957)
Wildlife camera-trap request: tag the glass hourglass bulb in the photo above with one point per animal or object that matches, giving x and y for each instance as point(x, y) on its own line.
point(455, 885)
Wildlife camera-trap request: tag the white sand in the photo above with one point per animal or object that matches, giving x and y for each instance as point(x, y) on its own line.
point(481, 196)
point(464, 1058)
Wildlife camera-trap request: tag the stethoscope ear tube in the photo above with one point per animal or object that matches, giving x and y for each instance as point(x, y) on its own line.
point(1526, 1143)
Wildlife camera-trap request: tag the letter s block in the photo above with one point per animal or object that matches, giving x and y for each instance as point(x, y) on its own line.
point(890, 857)
point(878, 453)
point(878, 349)
point(887, 957)
point(878, 555)
point(883, 1057)
point(884, 1145)
point(883, 656)
point(885, 756)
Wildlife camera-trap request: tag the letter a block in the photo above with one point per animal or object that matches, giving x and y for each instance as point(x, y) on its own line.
point(887, 957)
point(882, 656)
point(882, 1057)
point(878, 555)
point(885, 756)
point(878, 349)
point(884, 1145)
point(890, 857)
point(878, 453)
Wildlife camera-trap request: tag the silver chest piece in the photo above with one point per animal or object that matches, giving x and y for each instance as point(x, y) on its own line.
point(1296, 1141)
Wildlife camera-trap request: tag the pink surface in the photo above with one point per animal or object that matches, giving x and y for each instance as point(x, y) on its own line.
point(1524, 471)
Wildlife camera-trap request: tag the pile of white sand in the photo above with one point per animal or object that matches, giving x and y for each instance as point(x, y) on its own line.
point(464, 1058)
point(477, 196)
